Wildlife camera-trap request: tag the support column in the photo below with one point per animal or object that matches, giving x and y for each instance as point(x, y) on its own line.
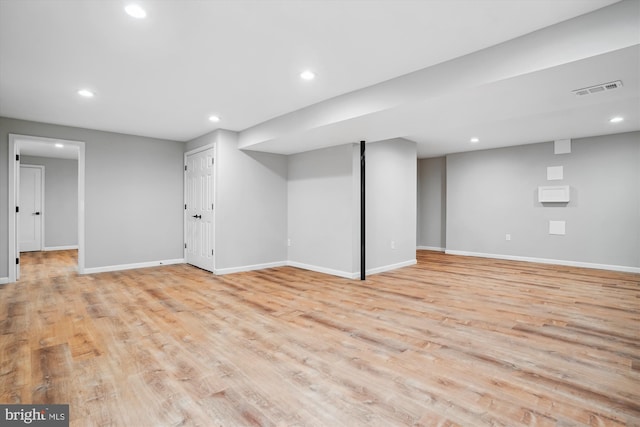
point(362, 213)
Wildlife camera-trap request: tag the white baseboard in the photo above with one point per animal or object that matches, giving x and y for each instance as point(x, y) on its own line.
point(623, 268)
point(221, 271)
point(339, 273)
point(430, 248)
point(354, 275)
point(92, 270)
point(60, 248)
point(4, 280)
point(390, 267)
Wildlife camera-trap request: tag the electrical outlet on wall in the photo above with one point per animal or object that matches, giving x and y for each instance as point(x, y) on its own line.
point(393, 244)
point(507, 237)
point(288, 242)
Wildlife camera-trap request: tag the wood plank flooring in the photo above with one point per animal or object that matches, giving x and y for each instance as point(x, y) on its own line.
point(452, 341)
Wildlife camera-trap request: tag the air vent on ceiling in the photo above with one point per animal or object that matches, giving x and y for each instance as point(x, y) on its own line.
point(598, 88)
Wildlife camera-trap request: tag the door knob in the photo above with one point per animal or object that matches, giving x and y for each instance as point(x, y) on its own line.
point(197, 216)
point(36, 213)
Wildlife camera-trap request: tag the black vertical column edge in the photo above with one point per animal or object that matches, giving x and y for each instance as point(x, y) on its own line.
point(362, 213)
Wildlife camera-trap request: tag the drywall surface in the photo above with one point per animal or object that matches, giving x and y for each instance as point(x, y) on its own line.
point(133, 194)
point(251, 205)
point(320, 209)
point(391, 200)
point(493, 193)
point(324, 207)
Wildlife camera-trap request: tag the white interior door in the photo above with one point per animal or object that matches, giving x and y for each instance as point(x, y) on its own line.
point(30, 205)
point(199, 209)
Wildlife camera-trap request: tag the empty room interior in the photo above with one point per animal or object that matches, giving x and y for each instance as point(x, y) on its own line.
point(320, 213)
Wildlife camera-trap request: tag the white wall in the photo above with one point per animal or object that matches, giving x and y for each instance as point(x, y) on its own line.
point(321, 210)
point(324, 208)
point(432, 199)
point(251, 205)
point(133, 194)
point(61, 200)
point(494, 192)
point(251, 219)
point(134, 202)
point(391, 199)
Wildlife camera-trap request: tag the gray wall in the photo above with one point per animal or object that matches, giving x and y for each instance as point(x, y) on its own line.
point(491, 193)
point(321, 210)
point(251, 219)
point(133, 194)
point(432, 203)
point(390, 203)
point(60, 200)
point(251, 204)
point(324, 207)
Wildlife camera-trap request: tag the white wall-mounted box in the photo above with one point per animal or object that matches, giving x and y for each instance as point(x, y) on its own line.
point(555, 173)
point(557, 228)
point(554, 194)
point(562, 146)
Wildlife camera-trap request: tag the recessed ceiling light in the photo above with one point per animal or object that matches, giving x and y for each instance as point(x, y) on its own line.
point(616, 119)
point(214, 119)
point(58, 145)
point(307, 75)
point(86, 93)
point(474, 140)
point(135, 11)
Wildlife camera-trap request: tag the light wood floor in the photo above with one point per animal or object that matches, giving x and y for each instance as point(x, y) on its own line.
point(453, 341)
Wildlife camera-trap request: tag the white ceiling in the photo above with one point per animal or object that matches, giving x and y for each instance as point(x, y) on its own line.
point(164, 75)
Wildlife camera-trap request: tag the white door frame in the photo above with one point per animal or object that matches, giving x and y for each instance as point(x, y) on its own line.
point(14, 174)
point(42, 207)
point(215, 202)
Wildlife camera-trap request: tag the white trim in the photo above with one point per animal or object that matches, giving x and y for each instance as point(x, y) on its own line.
point(430, 248)
point(622, 268)
point(14, 176)
point(4, 280)
point(60, 248)
point(230, 270)
point(339, 273)
point(14, 172)
point(199, 149)
point(390, 267)
point(119, 267)
point(355, 274)
point(81, 219)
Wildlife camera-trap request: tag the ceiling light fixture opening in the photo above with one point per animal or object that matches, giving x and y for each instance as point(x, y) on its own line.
point(307, 75)
point(86, 93)
point(474, 140)
point(135, 11)
point(58, 145)
point(616, 119)
point(214, 119)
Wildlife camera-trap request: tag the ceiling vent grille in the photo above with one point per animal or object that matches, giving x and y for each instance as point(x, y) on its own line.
point(598, 88)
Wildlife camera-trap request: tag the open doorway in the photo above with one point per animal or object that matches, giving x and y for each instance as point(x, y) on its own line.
point(38, 150)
